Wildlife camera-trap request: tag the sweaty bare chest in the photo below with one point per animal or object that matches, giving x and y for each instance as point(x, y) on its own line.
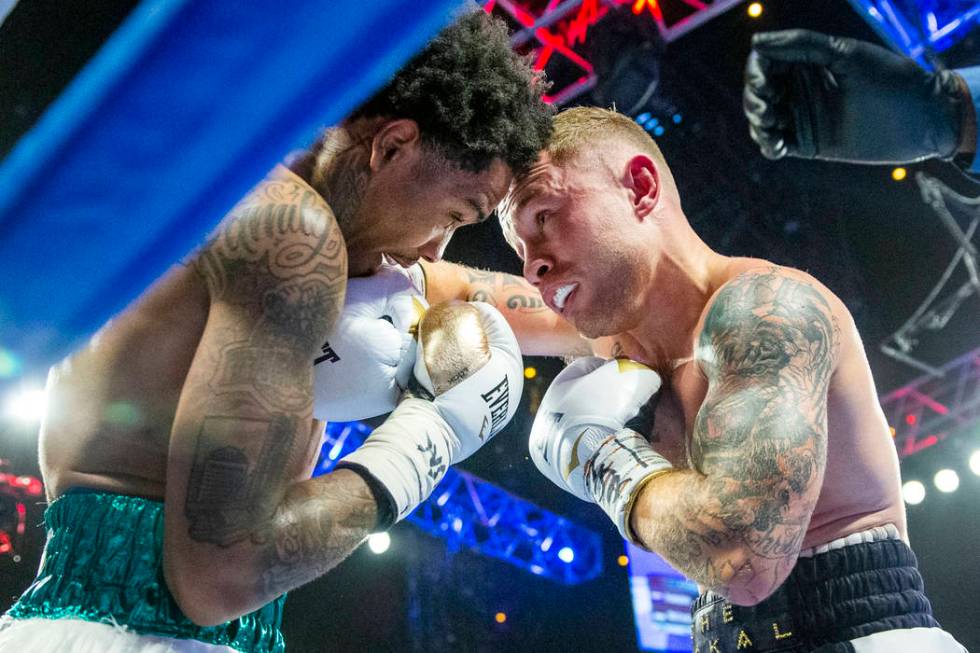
point(677, 405)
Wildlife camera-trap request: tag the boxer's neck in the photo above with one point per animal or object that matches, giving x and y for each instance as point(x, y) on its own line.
point(341, 169)
point(685, 276)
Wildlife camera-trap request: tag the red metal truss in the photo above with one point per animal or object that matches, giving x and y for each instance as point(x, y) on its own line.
point(549, 28)
point(925, 411)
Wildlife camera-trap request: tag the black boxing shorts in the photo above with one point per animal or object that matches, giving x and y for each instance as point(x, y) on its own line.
point(860, 593)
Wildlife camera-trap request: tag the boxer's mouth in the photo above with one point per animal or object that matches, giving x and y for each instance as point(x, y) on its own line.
point(561, 295)
point(403, 262)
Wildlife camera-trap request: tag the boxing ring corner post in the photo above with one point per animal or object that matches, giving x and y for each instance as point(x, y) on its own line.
point(183, 109)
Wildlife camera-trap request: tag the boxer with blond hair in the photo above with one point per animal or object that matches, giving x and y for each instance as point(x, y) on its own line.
point(737, 432)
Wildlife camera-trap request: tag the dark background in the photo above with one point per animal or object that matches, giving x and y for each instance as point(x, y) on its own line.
point(870, 239)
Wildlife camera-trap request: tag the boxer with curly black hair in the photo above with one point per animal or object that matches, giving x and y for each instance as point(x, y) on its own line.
point(464, 111)
point(178, 446)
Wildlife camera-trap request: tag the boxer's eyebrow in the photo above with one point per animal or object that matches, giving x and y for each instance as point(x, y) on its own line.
point(481, 215)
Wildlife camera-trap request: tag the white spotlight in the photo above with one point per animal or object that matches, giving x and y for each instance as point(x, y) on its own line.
point(566, 554)
point(913, 492)
point(946, 480)
point(379, 542)
point(975, 462)
point(26, 404)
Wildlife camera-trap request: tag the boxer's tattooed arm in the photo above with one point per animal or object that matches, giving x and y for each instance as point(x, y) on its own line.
point(504, 291)
point(276, 274)
point(242, 441)
point(313, 529)
point(768, 347)
point(540, 331)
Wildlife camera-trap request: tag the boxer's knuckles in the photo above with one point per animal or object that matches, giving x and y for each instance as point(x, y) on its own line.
point(454, 344)
point(366, 362)
point(470, 366)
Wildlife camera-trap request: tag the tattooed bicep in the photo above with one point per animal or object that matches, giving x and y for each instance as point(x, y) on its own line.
point(281, 230)
point(768, 348)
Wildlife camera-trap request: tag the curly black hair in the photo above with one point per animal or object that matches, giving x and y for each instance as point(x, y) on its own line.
point(474, 98)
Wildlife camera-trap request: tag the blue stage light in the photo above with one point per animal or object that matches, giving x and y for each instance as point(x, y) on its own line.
point(470, 513)
point(644, 117)
point(659, 131)
point(677, 118)
point(920, 27)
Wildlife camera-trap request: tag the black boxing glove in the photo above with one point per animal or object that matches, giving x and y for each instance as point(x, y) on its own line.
point(816, 96)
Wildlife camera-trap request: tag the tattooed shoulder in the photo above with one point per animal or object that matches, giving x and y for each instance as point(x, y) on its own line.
point(763, 321)
point(279, 249)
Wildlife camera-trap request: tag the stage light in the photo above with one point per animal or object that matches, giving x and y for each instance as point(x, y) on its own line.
point(644, 117)
point(677, 118)
point(530, 372)
point(898, 174)
point(913, 492)
point(9, 364)
point(379, 542)
point(500, 617)
point(26, 405)
point(566, 554)
point(891, 429)
point(910, 419)
point(659, 131)
point(975, 462)
point(946, 480)
point(623, 560)
point(755, 9)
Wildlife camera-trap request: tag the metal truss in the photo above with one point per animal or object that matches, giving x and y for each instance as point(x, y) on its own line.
point(927, 410)
point(470, 513)
point(937, 309)
point(16, 493)
point(554, 28)
point(920, 28)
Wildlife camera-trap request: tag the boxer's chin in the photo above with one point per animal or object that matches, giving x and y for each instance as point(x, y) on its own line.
point(595, 324)
point(363, 264)
point(598, 319)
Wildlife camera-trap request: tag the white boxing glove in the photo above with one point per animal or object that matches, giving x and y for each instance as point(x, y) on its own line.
point(469, 380)
point(367, 362)
point(580, 441)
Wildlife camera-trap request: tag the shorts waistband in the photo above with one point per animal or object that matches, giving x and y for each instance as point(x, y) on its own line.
point(876, 534)
point(103, 562)
point(857, 586)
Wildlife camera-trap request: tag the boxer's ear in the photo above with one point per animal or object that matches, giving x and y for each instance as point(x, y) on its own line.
point(394, 141)
point(643, 183)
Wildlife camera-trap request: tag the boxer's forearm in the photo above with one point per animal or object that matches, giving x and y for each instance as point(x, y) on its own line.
point(682, 516)
point(316, 525)
point(539, 330)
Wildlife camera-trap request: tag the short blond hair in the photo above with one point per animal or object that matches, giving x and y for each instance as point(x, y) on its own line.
point(579, 131)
